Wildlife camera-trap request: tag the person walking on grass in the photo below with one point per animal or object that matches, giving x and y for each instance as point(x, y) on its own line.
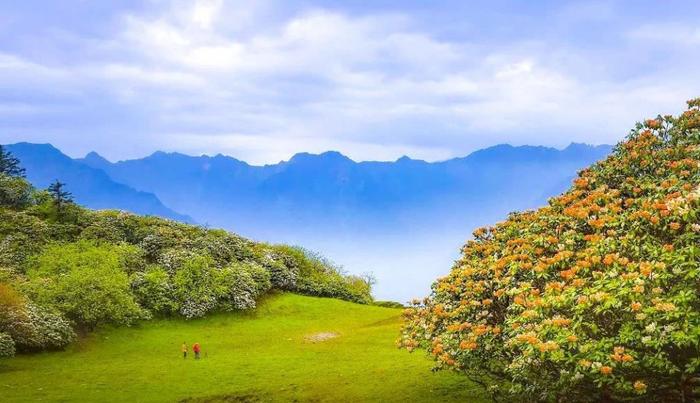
point(184, 350)
point(196, 349)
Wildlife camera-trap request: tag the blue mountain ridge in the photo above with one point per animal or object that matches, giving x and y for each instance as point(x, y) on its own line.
point(332, 188)
point(90, 186)
point(404, 220)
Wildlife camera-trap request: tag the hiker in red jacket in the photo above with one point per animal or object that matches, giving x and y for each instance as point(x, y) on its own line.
point(196, 349)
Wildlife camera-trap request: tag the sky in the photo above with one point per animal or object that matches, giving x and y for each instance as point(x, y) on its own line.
point(262, 80)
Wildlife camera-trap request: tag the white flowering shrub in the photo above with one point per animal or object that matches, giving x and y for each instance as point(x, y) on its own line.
point(173, 259)
point(48, 330)
point(152, 245)
point(7, 346)
point(241, 284)
point(282, 268)
point(196, 286)
point(31, 327)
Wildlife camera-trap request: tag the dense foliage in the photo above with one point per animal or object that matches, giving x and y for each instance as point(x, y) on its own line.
point(594, 297)
point(63, 267)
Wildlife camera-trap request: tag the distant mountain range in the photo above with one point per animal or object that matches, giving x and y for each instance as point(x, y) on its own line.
point(90, 186)
point(332, 189)
point(405, 216)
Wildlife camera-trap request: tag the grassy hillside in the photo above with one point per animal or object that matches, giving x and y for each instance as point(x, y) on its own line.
point(263, 355)
point(66, 269)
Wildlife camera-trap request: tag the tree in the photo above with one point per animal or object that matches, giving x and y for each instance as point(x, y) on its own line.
point(9, 164)
point(60, 196)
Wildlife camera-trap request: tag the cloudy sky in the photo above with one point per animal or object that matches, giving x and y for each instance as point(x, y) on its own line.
point(262, 80)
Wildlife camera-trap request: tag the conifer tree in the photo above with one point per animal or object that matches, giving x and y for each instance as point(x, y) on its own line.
point(9, 164)
point(61, 197)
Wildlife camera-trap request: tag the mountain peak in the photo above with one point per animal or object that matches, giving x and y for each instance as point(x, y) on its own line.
point(93, 156)
point(328, 156)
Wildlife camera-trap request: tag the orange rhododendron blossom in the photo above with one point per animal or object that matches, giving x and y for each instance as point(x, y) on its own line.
point(602, 280)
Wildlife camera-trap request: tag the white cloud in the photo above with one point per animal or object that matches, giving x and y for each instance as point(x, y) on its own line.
point(664, 34)
point(375, 86)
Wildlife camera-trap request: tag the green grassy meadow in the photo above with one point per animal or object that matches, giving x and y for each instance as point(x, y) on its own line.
point(264, 355)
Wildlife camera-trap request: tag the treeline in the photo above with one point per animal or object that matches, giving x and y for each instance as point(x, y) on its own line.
point(65, 268)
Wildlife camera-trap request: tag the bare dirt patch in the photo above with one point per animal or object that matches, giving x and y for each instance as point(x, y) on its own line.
point(320, 337)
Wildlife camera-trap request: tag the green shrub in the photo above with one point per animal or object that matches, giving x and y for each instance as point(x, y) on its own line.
point(21, 236)
point(13, 312)
point(45, 330)
point(595, 297)
point(154, 290)
point(389, 304)
point(262, 277)
point(241, 284)
point(15, 192)
point(7, 346)
point(196, 287)
point(31, 327)
point(173, 259)
point(321, 277)
point(282, 268)
point(86, 282)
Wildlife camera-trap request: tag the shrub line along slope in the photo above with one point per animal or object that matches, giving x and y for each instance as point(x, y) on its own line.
point(65, 268)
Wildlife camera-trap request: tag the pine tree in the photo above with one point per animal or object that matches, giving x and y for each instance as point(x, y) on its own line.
point(9, 164)
point(61, 197)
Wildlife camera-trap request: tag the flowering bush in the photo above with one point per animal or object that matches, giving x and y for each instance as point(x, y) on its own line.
point(196, 287)
point(47, 330)
point(241, 284)
point(29, 326)
point(282, 268)
point(7, 345)
point(593, 297)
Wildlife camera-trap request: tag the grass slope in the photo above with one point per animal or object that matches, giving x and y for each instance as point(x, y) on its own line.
point(263, 355)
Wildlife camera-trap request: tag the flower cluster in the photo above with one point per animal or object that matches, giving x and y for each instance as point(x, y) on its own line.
point(595, 296)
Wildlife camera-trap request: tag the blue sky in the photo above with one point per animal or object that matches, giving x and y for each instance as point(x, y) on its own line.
point(375, 80)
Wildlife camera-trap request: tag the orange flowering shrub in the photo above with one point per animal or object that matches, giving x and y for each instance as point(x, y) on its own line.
point(593, 297)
